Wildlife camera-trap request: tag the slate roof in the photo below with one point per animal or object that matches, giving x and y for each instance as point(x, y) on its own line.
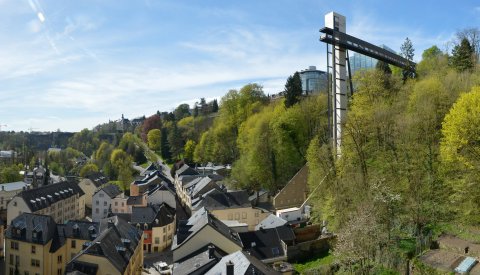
point(195, 187)
point(111, 190)
point(24, 226)
point(186, 229)
point(117, 243)
point(135, 200)
point(219, 199)
point(97, 178)
point(11, 186)
point(199, 261)
point(44, 196)
point(271, 221)
point(153, 215)
point(243, 264)
point(266, 243)
point(29, 223)
point(164, 186)
point(80, 230)
point(185, 170)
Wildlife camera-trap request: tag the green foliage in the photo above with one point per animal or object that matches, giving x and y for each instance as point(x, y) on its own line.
point(293, 90)
point(87, 169)
point(273, 142)
point(407, 51)
point(383, 67)
point(84, 141)
point(189, 150)
point(182, 111)
point(219, 143)
point(463, 56)
point(320, 262)
point(10, 173)
point(460, 151)
point(434, 62)
point(154, 137)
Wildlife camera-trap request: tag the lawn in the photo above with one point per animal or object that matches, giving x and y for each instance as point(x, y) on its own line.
point(324, 260)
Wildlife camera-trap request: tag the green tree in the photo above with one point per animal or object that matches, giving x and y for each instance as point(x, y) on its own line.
point(214, 106)
point(84, 141)
point(154, 139)
point(10, 173)
point(383, 67)
point(407, 51)
point(189, 150)
point(164, 145)
point(102, 155)
point(87, 169)
point(463, 56)
point(183, 110)
point(175, 141)
point(460, 153)
point(293, 90)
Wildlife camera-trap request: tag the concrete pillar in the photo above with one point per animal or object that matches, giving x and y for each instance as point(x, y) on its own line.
point(337, 22)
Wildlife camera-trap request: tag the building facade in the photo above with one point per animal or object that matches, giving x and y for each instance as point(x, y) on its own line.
point(313, 80)
point(102, 201)
point(158, 225)
point(35, 244)
point(359, 61)
point(90, 184)
point(62, 201)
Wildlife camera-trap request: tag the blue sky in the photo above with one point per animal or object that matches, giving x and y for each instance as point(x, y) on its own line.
point(71, 65)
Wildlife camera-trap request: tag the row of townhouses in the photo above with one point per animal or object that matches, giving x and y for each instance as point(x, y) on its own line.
point(93, 227)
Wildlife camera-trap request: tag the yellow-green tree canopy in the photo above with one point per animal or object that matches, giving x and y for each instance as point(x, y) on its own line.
point(88, 168)
point(154, 137)
point(461, 131)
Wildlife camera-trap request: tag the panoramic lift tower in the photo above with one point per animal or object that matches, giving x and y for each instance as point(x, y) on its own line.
point(334, 34)
point(338, 97)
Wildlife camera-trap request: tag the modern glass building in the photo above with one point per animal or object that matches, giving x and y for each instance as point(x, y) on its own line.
point(359, 61)
point(313, 80)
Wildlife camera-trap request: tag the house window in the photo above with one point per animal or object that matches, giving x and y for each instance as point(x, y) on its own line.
point(97, 202)
point(96, 210)
point(237, 216)
point(145, 226)
point(244, 215)
point(12, 271)
point(74, 244)
point(230, 216)
point(105, 203)
point(59, 271)
point(17, 260)
point(35, 262)
point(145, 236)
point(116, 203)
point(164, 230)
point(164, 238)
point(27, 273)
point(33, 249)
point(14, 245)
point(100, 195)
point(104, 211)
point(11, 259)
point(157, 240)
point(59, 259)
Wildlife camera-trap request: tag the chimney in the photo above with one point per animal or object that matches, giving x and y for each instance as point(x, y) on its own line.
point(211, 251)
point(230, 267)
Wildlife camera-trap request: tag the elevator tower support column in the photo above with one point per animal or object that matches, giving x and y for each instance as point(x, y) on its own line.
point(339, 99)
